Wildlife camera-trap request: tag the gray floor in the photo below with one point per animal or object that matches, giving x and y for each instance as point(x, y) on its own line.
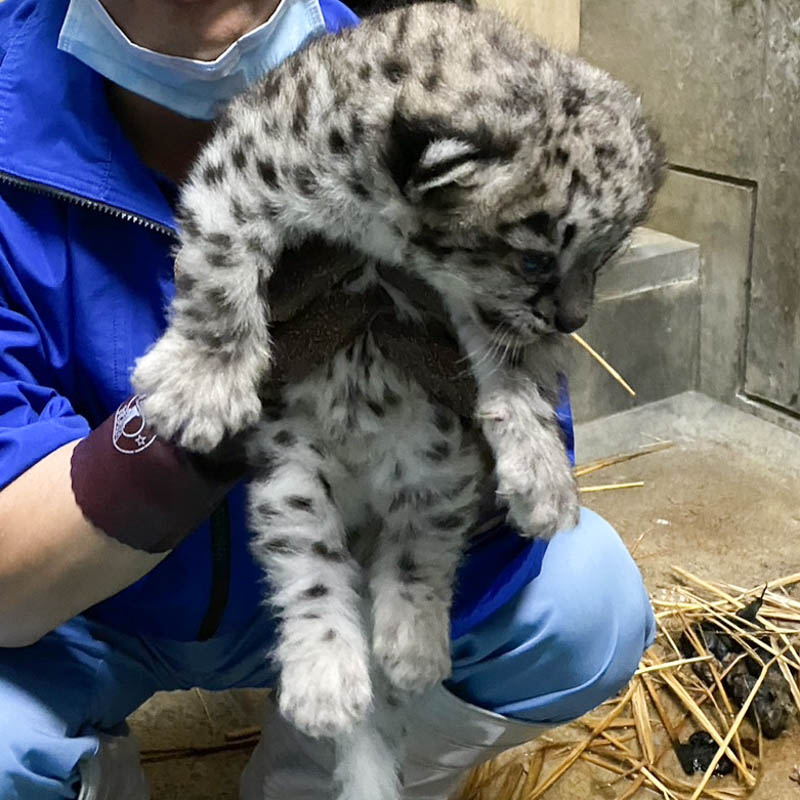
point(723, 502)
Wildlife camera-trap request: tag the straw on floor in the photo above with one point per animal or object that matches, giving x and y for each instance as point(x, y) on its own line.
point(629, 741)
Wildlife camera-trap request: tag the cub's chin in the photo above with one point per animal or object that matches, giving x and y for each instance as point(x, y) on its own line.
point(518, 338)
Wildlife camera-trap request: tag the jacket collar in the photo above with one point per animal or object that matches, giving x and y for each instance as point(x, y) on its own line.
point(56, 128)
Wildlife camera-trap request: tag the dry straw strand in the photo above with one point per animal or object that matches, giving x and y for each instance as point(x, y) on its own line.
point(641, 719)
point(595, 466)
point(667, 793)
point(607, 487)
point(634, 787)
point(558, 773)
point(707, 725)
point(672, 664)
point(603, 363)
point(732, 732)
point(632, 735)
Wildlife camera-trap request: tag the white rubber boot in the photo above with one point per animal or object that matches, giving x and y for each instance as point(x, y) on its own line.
point(114, 772)
point(287, 764)
point(447, 737)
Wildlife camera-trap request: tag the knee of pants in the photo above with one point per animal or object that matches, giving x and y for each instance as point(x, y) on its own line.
point(572, 638)
point(40, 747)
point(55, 696)
point(39, 766)
point(598, 642)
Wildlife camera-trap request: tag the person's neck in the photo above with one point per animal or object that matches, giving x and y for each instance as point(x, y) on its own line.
point(202, 29)
point(164, 140)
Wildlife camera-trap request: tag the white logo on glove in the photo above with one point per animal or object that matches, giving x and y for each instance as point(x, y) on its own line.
point(130, 436)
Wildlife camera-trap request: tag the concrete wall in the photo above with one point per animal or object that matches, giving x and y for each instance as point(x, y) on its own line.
point(555, 21)
point(721, 79)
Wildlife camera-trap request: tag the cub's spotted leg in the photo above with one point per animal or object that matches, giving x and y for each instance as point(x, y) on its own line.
point(299, 540)
point(200, 380)
point(418, 550)
point(534, 476)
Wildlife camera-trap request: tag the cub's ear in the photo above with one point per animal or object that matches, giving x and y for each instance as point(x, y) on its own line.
point(428, 158)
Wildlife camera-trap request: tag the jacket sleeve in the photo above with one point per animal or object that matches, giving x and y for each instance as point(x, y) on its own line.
point(337, 15)
point(34, 418)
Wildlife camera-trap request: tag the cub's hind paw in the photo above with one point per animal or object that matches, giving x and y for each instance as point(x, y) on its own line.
point(411, 643)
point(328, 694)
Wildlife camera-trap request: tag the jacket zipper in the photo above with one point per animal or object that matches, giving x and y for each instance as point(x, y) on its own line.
point(83, 202)
point(220, 519)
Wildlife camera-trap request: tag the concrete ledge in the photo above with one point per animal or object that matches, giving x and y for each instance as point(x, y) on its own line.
point(646, 323)
point(654, 259)
point(690, 416)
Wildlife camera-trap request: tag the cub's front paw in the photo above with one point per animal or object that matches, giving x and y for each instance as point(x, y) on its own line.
point(542, 507)
point(326, 694)
point(411, 643)
point(193, 398)
point(534, 476)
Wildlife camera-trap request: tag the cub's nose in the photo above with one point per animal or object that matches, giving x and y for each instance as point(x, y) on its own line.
point(569, 320)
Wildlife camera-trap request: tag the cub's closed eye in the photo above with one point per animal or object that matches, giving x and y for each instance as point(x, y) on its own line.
point(538, 263)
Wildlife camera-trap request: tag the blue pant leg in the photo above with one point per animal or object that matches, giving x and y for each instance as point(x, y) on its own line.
point(54, 696)
point(568, 640)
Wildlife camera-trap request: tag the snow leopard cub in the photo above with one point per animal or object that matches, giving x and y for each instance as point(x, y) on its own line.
point(449, 145)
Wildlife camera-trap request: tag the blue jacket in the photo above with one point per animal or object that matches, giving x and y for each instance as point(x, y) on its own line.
point(85, 276)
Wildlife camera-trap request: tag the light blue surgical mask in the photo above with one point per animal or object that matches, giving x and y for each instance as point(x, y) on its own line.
point(188, 86)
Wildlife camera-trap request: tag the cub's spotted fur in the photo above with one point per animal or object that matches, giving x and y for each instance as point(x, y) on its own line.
point(446, 144)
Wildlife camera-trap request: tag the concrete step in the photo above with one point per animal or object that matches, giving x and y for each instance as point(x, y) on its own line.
point(690, 417)
point(645, 322)
point(651, 261)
